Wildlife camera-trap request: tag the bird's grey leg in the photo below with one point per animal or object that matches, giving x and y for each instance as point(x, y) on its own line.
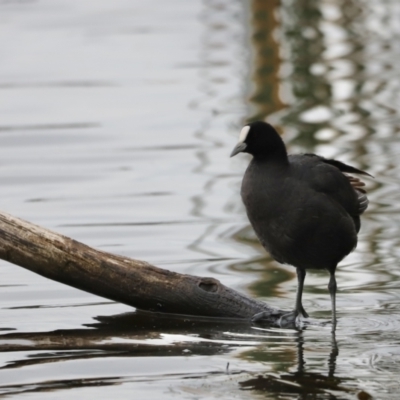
point(332, 290)
point(290, 318)
point(299, 309)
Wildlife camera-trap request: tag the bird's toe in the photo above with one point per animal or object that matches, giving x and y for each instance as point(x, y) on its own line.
point(292, 317)
point(288, 319)
point(261, 317)
point(302, 312)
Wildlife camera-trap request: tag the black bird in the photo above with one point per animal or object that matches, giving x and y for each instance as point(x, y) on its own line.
point(304, 208)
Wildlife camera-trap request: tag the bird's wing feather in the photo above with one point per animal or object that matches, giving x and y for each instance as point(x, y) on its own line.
point(339, 165)
point(329, 177)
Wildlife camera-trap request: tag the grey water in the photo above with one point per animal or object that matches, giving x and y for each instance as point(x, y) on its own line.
point(116, 123)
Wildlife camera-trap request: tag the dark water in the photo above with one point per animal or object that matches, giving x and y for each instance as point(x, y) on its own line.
point(116, 122)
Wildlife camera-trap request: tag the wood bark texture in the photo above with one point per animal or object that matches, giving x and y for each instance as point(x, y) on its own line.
point(129, 281)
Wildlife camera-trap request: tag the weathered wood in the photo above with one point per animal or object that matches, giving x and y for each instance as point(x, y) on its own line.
point(125, 280)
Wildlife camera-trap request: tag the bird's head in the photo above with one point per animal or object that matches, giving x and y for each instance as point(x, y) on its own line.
point(261, 140)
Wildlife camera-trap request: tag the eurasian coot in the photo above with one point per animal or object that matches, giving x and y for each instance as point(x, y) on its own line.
point(304, 208)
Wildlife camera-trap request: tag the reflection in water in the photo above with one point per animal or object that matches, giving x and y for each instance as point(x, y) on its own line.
point(153, 336)
point(266, 61)
point(301, 382)
point(133, 153)
point(136, 335)
point(144, 334)
point(223, 87)
point(307, 87)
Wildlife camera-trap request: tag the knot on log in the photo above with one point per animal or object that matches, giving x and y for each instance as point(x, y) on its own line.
point(209, 284)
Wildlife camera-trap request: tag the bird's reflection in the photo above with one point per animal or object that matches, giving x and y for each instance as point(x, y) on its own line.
point(302, 383)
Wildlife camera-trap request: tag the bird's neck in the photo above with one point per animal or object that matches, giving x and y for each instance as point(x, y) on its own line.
point(271, 149)
point(276, 157)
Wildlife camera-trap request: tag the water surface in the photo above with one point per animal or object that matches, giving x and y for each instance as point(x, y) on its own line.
point(116, 123)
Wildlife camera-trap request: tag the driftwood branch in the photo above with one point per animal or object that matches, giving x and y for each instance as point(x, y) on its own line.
point(118, 278)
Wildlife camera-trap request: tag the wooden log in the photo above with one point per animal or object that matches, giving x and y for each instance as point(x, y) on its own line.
point(129, 281)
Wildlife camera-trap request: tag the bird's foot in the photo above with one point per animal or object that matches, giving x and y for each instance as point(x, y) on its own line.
point(288, 319)
point(262, 316)
point(291, 318)
point(302, 312)
point(283, 320)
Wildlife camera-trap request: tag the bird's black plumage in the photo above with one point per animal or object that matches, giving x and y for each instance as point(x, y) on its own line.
point(304, 208)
